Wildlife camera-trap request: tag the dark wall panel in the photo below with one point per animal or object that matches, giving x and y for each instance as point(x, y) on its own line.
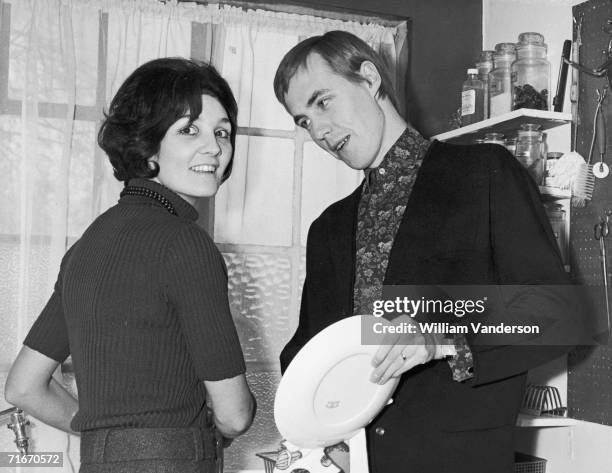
point(590, 369)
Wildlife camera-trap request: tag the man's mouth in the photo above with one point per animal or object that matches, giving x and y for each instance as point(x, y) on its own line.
point(342, 143)
point(204, 168)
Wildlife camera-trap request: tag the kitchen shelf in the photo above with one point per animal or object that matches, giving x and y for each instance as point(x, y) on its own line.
point(508, 124)
point(526, 420)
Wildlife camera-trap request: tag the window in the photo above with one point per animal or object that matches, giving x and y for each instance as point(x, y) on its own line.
point(60, 63)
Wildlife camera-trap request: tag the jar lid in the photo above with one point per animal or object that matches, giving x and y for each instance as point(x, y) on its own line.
point(486, 56)
point(530, 126)
point(555, 207)
point(472, 70)
point(504, 52)
point(530, 39)
point(494, 136)
point(504, 48)
point(530, 130)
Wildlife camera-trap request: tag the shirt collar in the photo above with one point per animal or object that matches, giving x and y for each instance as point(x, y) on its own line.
point(406, 153)
point(183, 208)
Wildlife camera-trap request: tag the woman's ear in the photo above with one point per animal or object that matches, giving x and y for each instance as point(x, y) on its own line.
point(370, 74)
point(152, 162)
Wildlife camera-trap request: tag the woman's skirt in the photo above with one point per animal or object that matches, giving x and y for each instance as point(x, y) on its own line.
point(151, 450)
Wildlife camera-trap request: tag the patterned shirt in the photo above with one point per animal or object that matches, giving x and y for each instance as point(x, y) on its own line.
point(381, 208)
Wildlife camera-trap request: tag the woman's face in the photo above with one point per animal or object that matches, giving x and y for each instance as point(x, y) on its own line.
point(193, 157)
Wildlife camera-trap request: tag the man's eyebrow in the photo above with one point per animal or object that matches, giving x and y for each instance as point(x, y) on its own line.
point(315, 95)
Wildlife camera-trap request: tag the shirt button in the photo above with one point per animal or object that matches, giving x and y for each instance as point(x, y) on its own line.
point(382, 172)
point(379, 431)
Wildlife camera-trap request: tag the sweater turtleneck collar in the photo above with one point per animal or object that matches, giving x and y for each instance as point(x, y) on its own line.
point(167, 199)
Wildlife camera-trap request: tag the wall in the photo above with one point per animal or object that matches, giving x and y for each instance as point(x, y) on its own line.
point(586, 446)
point(446, 39)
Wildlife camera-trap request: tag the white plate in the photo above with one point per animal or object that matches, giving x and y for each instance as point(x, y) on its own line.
point(325, 395)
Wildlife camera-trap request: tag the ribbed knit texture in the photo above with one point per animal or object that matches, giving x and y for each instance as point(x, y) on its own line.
point(141, 305)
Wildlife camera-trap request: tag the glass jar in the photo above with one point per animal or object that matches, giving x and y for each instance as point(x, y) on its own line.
point(551, 160)
point(496, 138)
point(556, 216)
point(511, 145)
point(472, 99)
point(531, 73)
point(544, 150)
point(484, 66)
point(500, 79)
point(529, 151)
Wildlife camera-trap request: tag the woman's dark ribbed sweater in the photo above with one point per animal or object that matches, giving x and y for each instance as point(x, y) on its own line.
point(141, 305)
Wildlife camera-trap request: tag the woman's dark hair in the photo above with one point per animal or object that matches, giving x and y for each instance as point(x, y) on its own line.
point(150, 100)
point(344, 53)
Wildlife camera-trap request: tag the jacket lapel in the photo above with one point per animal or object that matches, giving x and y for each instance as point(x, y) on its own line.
point(415, 232)
point(342, 249)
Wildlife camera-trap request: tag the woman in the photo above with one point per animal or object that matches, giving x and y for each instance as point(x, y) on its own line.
point(141, 299)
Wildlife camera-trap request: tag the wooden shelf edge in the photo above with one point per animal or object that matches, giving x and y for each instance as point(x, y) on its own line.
point(526, 420)
point(508, 124)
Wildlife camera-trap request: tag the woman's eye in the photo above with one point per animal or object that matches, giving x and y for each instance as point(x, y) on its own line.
point(190, 130)
point(222, 133)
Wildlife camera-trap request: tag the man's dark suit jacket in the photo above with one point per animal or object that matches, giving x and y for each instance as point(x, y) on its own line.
point(474, 217)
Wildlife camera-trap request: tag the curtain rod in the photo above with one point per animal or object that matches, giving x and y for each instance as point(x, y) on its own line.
point(293, 6)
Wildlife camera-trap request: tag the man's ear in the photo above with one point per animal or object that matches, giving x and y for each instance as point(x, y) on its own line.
point(370, 74)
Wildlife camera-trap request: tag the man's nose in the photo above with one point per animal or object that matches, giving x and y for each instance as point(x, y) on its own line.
point(320, 129)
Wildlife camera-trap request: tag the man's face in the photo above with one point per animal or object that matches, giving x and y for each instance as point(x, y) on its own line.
point(343, 117)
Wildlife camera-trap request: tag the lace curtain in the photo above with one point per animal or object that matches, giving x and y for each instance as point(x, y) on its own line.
point(61, 61)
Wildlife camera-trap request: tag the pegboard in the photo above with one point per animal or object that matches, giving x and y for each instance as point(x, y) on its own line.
point(590, 368)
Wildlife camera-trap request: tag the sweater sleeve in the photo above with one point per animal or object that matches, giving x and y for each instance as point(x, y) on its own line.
point(49, 334)
point(196, 288)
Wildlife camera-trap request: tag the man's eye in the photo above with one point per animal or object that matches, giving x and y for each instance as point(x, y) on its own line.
point(222, 133)
point(323, 102)
point(190, 130)
point(304, 123)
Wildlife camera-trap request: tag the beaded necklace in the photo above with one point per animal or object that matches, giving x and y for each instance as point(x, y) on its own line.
point(146, 192)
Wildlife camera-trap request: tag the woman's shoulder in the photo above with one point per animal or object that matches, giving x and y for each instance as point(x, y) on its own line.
point(190, 251)
point(191, 234)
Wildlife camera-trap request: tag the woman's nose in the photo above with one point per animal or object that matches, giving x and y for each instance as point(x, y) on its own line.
point(209, 145)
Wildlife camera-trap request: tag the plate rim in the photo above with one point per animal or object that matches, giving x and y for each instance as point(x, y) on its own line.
point(313, 434)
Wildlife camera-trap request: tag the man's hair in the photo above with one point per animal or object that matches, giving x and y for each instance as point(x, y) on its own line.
point(343, 52)
point(151, 99)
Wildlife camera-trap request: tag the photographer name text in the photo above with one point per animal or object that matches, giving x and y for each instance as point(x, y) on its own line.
point(447, 328)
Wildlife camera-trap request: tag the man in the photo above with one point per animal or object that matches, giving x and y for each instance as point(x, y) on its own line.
point(427, 213)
